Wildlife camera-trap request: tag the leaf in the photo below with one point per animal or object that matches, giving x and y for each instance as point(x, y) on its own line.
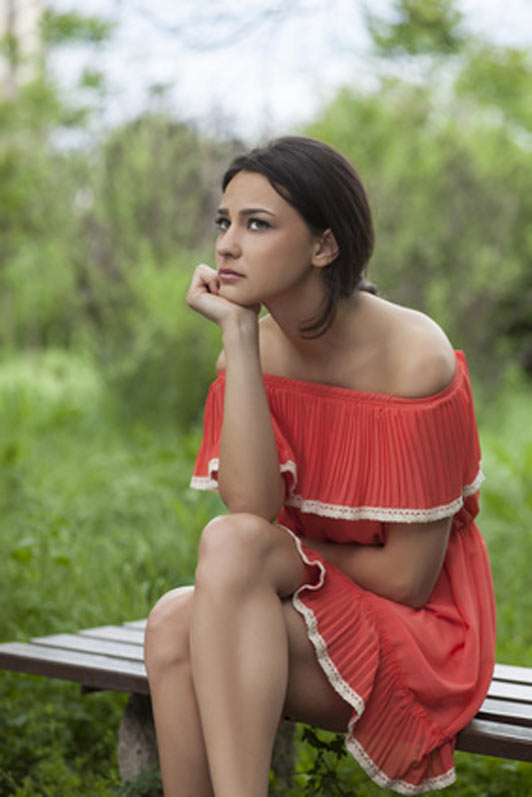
point(62, 559)
point(23, 553)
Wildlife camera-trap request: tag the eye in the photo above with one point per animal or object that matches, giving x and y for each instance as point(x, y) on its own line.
point(258, 224)
point(222, 223)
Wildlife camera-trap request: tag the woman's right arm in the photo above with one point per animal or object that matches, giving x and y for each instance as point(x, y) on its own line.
point(248, 475)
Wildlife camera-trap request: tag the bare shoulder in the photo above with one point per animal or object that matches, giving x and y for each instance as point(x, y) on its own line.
point(421, 359)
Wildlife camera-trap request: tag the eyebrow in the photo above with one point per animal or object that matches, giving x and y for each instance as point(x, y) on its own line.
point(246, 212)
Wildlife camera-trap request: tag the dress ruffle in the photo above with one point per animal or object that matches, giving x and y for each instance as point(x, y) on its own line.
point(388, 725)
point(381, 458)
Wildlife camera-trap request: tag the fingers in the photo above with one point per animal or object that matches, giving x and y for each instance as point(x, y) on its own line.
point(204, 280)
point(204, 297)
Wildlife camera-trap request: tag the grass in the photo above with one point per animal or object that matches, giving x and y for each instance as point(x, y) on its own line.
point(97, 522)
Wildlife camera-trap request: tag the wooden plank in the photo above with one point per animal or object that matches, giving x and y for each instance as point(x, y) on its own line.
point(87, 644)
point(91, 670)
point(115, 633)
point(506, 711)
point(496, 739)
point(138, 624)
point(503, 690)
point(509, 672)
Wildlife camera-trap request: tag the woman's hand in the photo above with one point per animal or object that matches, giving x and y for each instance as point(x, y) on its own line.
point(204, 297)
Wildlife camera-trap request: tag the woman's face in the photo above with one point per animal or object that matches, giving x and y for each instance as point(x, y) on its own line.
point(264, 247)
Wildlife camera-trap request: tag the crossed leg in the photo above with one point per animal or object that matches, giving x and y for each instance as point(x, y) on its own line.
point(227, 659)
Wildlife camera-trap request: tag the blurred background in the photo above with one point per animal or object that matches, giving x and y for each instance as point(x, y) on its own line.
point(117, 119)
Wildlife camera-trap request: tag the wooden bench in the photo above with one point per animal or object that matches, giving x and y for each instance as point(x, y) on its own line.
point(111, 657)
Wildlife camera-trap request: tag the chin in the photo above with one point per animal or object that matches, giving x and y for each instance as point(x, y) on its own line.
point(233, 294)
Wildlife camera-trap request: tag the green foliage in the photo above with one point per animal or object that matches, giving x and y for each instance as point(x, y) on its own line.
point(48, 406)
point(97, 252)
point(147, 784)
point(60, 28)
point(451, 213)
point(97, 523)
point(506, 517)
point(158, 185)
point(326, 752)
point(54, 742)
point(160, 360)
point(420, 27)
point(499, 79)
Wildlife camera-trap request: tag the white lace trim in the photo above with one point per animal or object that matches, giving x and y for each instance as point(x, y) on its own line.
point(350, 695)
point(328, 666)
point(210, 483)
point(381, 779)
point(471, 489)
point(381, 513)
point(290, 467)
point(206, 482)
point(203, 483)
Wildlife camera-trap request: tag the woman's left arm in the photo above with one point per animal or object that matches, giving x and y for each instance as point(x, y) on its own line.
point(405, 569)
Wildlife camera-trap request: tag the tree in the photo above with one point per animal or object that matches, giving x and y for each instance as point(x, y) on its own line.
point(419, 27)
point(449, 173)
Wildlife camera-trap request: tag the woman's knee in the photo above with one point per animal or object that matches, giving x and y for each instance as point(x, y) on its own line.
point(233, 548)
point(166, 639)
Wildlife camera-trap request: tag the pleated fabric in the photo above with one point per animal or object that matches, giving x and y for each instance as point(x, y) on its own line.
point(354, 462)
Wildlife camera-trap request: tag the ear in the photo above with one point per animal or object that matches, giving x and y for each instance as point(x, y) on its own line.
point(326, 249)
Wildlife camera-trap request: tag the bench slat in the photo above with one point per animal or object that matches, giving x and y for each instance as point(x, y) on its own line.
point(496, 739)
point(506, 711)
point(509, 672)
point(87, 644)
point(138, 624)
point(504, 690)
point(116, 633)
point(89, 669)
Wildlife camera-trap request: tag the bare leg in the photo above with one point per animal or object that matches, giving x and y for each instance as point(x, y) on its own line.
point(180, 743)
point(256, 657)
point(240, 649)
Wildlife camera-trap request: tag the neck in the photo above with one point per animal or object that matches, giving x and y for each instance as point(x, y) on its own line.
point(348, 326)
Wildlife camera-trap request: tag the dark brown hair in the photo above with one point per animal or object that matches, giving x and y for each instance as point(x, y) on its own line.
point(328, 193)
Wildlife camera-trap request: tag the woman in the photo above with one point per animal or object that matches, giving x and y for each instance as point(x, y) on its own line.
point(348, 586)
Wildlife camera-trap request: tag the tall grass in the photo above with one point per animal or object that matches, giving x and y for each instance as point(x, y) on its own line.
point(97, 522)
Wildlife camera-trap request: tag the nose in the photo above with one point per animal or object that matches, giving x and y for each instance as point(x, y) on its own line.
point(228, 243)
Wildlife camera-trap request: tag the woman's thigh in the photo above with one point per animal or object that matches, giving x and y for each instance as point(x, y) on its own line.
point(310, 698)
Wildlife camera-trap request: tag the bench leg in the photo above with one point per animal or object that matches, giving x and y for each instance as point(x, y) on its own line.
point(137, 747)
point(284, 752)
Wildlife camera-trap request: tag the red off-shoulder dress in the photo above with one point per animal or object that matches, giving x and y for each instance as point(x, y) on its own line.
point(355, 462)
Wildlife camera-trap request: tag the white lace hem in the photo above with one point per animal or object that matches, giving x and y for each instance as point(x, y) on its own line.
point(211, 483)
point(382, 513)
point(351, 696)
point(400, 786)
point(320, 646)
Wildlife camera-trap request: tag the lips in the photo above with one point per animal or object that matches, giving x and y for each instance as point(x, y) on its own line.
point(228, 273)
